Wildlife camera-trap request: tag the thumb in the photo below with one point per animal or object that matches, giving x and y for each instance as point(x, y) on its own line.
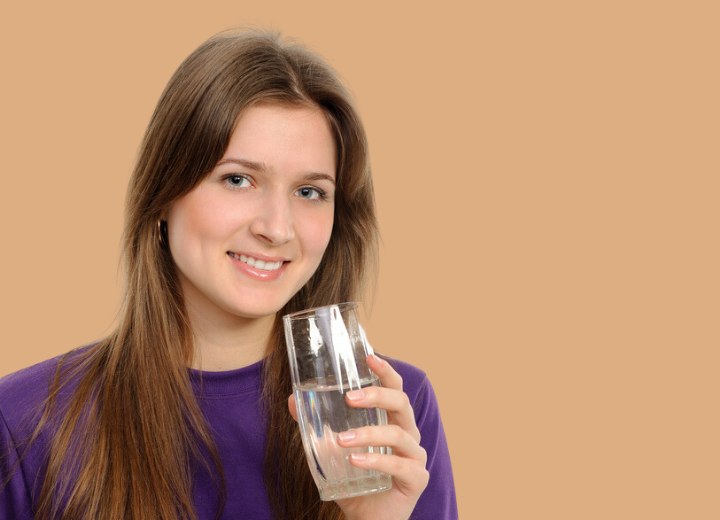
point(292, 407)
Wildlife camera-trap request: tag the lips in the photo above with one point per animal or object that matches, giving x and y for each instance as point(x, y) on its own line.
point(256, 263)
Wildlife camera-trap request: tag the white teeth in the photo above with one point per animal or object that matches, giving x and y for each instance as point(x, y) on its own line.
point(258, 264)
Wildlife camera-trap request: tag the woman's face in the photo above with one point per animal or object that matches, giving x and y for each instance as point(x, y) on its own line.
point(253, 232)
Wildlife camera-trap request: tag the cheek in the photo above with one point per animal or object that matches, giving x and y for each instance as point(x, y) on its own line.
point(193, 222)
point(324, 233)
point(316, 235)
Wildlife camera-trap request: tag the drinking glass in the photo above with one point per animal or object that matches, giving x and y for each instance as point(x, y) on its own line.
point(328, 357)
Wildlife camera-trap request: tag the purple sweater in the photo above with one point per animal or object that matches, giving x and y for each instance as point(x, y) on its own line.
point(231, 403)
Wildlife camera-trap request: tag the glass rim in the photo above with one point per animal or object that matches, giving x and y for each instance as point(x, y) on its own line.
point(298, 315)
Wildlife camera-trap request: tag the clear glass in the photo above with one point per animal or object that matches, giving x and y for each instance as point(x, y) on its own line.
point(328, 357)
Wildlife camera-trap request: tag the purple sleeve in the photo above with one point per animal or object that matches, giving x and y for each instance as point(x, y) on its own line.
point(15, 503)
point(438, 501)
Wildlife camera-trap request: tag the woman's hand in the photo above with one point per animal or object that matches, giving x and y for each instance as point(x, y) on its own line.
point(407, 462)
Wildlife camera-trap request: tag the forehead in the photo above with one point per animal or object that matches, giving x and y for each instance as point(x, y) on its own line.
point(284, 138)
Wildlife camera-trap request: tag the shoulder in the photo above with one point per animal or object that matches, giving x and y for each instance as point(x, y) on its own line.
point(23, 395)
point(25, 391)
point(27, 383)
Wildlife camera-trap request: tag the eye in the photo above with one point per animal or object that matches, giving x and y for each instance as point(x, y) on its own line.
point(236, 181)
point(310, 193)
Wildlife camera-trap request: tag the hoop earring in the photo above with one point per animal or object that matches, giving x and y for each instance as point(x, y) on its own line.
point(162, 232)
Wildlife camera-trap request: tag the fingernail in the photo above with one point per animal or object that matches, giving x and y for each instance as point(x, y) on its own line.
point(355, 395)
point(359, 456)
point(380, 360)
point(346, 436)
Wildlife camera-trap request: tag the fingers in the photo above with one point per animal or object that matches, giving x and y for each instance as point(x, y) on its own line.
point(409, 476)
point(401, 442)
point(389, 397)
point(406, 464)
point(388, 377)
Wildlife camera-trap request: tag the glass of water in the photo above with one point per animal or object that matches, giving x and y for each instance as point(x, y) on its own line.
point(328, 357)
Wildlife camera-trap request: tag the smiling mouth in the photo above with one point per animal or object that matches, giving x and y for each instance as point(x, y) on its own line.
point(257, 264)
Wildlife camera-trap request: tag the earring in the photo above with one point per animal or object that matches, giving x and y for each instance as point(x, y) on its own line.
point(162, 232)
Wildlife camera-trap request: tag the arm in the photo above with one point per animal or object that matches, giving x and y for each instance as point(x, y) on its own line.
point(438, 501)
point(15, 502)
point(423, 487)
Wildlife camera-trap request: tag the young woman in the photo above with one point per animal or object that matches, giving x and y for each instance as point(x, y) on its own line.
point(251, 198)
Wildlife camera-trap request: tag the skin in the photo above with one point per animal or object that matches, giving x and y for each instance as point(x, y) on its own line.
point(263, 199)
point(407, 463)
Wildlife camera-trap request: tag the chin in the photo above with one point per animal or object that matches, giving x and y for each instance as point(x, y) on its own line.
point(256, 304)
point(253, 312)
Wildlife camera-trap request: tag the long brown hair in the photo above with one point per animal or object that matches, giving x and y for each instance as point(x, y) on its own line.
point(127, 437)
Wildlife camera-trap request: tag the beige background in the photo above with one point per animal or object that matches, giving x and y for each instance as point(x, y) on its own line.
point(547, 178)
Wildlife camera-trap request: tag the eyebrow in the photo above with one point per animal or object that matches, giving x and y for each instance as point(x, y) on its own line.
point(262, 167)
point(257, 166)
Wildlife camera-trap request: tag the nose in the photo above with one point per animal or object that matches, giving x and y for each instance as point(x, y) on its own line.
point(273, 223)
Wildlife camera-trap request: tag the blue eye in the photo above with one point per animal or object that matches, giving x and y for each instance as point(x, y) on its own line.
point(310, 193)
point(237, 181)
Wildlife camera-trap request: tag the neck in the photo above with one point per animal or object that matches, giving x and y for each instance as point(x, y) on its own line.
point(229, 342)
